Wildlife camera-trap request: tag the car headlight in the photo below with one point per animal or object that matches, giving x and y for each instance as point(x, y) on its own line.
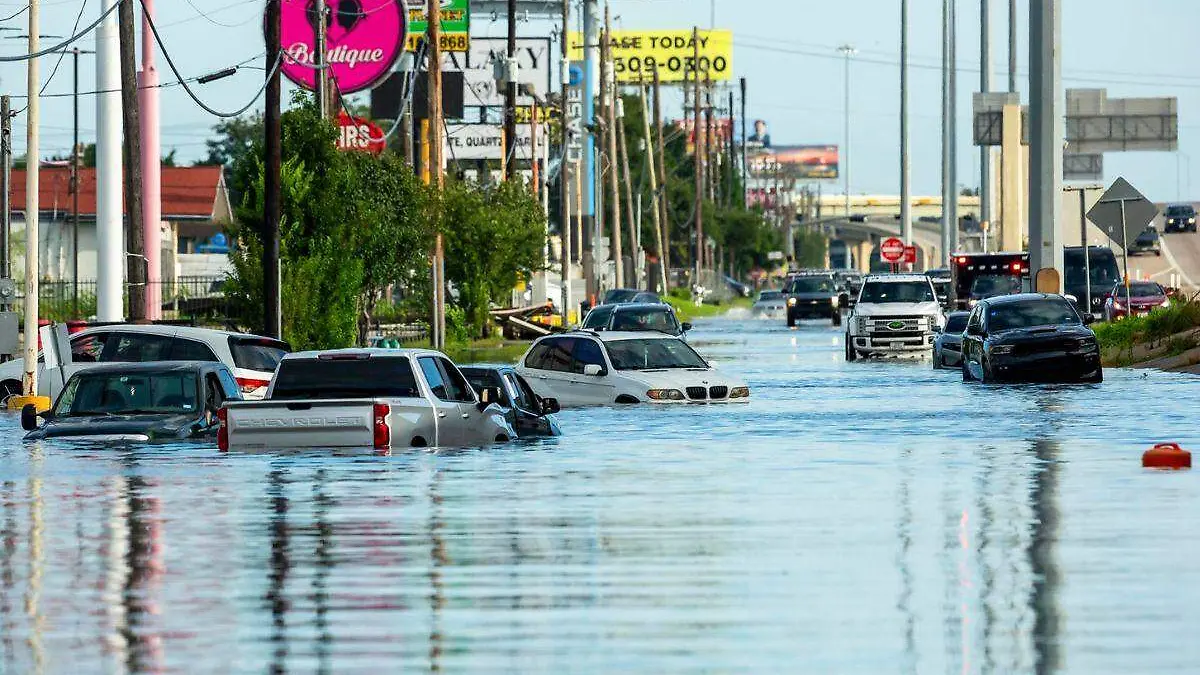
point(1165, 303)
point(1170, 221)
point(972, 302)
point(791, 302)
point(1191, 221)
point(834, 301)
point(1001, 350)
point(739, 392)
point(665, 395)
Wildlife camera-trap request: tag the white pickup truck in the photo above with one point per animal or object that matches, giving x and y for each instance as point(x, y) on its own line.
point(365, 398)
point(896, 314)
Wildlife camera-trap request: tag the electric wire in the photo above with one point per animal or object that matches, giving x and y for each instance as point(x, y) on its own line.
point(183, 82)
point(64, 43)
point(19, 12)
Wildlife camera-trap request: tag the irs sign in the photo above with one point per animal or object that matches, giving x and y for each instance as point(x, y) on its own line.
point(356, 133)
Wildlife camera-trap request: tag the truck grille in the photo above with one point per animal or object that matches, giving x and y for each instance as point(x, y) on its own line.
point(718, 392)
point(697, 393)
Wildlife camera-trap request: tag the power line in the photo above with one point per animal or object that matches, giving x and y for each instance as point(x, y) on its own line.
point(64, 43)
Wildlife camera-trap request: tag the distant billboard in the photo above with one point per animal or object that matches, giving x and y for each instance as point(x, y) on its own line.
point(802, 162)
point(638, 53)
point(719, 132)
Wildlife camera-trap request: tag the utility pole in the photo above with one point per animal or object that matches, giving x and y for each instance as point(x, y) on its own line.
point(698, 158)
point(5, 189)
point(32, 208)
point(608, 90)
point(510, 96)
point(985, 85)
point(272, 118)
point(745, 174)
point(952, 111)
point(659, 159)
point(709, 142)
point(151, 168)
point(1012, 47)
point(905, 164)
point(949, 199)
point(135, 259)
point(74, 185)
point(110, 246)
point(654, 195)
point(731, 180)
point(1046, 131)
point(635, 243)
point(589, 213)
point(847, 52)
point(564, 175)
point(322, 28)
point(434, 73)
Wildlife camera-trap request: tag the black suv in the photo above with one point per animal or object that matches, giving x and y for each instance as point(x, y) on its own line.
point(1179, 218)
point(1029, 337)
point(813, 296)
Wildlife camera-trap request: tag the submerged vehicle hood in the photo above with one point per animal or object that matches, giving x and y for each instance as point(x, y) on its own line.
point(151, 426)
point(814, 295)
point(898, 309)
point(678, 378)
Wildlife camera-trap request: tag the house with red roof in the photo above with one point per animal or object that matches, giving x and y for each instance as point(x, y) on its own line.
point(195, 213)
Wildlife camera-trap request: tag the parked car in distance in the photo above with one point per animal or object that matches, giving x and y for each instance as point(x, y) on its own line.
point(1029, 337)
point(137, 402)
point(943, 284)
point(769, 304)
point(1146, 242)
point(1143, 298)
point(586, 368)
point(947, 346)
point(366, 398)
point(529, 414)
point(1179, 218)
point(813, 296)
point(251, 358)
point(618, 295)
point(635, 317)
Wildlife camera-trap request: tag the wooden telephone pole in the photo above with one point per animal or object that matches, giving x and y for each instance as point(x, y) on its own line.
point(698, 159)
point(660, 159)
point(608, 97)
point(654, 195)
point(434, 73)
point(132, 150)
point(564, 175)
point(272, 119)
point(630, 224)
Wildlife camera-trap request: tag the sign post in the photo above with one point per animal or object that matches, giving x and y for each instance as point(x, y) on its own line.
point(1119, 207)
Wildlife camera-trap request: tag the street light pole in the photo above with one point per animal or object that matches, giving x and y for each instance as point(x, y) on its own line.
point(905, 167)
point(847, 51)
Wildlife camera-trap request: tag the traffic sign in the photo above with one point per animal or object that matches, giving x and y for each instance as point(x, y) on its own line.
point(356, 133)
point(1120, 209)
point(910, 255)
point(891, 250)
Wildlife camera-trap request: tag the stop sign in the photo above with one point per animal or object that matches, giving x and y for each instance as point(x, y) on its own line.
point(891, 250)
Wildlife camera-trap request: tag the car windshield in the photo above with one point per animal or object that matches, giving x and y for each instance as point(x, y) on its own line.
point(991, 285)
point(1031, 313)
point(1142, 290)
point(1182, 210)
point(645, 319)
point(619, 295)
point(1148, 235)
point(896, 291)
point(653, 355)
point(812, 285)
point(770, 295)
point(386, 377)
point(956, 323)
point(126, 393)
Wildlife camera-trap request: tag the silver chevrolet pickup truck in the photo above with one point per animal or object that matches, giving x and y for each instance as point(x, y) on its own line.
point(365, 398)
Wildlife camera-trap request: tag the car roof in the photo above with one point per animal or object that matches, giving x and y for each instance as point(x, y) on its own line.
point(371, 352)
point(616, 336)
point(168, 329)
point(958, 313)
point(895, 278)
point(1022, 297)
point(629, 306)
point(150, 366)
point(486, 368)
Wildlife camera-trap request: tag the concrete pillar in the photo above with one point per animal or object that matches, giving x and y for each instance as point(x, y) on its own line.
point(110, 237)
point(1012, 230)
point(864, 255)
point(1046, 137)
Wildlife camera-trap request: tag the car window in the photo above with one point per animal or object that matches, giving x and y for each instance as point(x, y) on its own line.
point(588, 352)
point(232, 391)
point(558, 355)
point(87, 348)
point(456, 385)
point(319, 378)
point(136, 347)
point(1030, 314)
point(214, 393)
point(516, 393)
point(975, 322)
point(597, 318)
point(1145, 290)
point(191, 350)
point(254, 353)
point(955, 323)
point(897, 291)
point(537, 355)
point(811, 285)
point(645, 319)
point(433, 375)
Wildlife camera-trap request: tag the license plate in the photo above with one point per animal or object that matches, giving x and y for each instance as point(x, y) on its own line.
point(897, 345)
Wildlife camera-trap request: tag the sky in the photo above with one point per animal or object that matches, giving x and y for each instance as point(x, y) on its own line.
point(787, 50)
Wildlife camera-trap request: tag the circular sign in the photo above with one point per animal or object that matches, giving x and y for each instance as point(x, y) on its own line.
point(891, 250)
point(356, 133)
point(363, 40)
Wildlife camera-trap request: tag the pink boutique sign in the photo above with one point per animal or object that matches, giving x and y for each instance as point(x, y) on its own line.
point(363, 41)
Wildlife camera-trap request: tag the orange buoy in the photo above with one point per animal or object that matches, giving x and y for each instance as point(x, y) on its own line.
point(1167, 456)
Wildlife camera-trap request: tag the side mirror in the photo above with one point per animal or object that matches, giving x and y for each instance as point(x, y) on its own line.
point(488, 396)
point(686, 326)
point(593, 370)
point(29, 417)
point(550, 406)
point(1088, 319)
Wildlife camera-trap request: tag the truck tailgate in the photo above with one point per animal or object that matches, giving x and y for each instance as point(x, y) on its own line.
point(335, 423)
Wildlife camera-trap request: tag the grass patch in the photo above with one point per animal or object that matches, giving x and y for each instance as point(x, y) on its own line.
point(688, 310)
point(491, 350)
point(1158, 334)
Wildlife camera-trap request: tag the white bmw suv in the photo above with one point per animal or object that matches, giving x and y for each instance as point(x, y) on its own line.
point(896, 314)
point(600, 368)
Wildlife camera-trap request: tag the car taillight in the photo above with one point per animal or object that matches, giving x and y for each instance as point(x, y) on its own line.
point(383, 433)
point(223, 430)
point(249, 384)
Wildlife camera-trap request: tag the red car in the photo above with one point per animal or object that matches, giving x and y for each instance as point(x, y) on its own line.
point(1144, 296)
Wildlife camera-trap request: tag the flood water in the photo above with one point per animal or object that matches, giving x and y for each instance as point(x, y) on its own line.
point(873, 517)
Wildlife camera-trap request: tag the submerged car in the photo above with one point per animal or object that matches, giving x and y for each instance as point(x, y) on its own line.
point(529, 414)
point(636, 317)
point(1142, 298)
point(947, 346)
point(138, 402)
point(1031, 337)
point(769, 304)
point(813, 296)
point(585, 368)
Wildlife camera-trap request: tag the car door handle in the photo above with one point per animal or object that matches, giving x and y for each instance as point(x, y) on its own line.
point(442, 414)
point(466, 416)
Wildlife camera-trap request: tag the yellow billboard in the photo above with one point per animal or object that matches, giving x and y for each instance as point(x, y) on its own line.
point(638, 53)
